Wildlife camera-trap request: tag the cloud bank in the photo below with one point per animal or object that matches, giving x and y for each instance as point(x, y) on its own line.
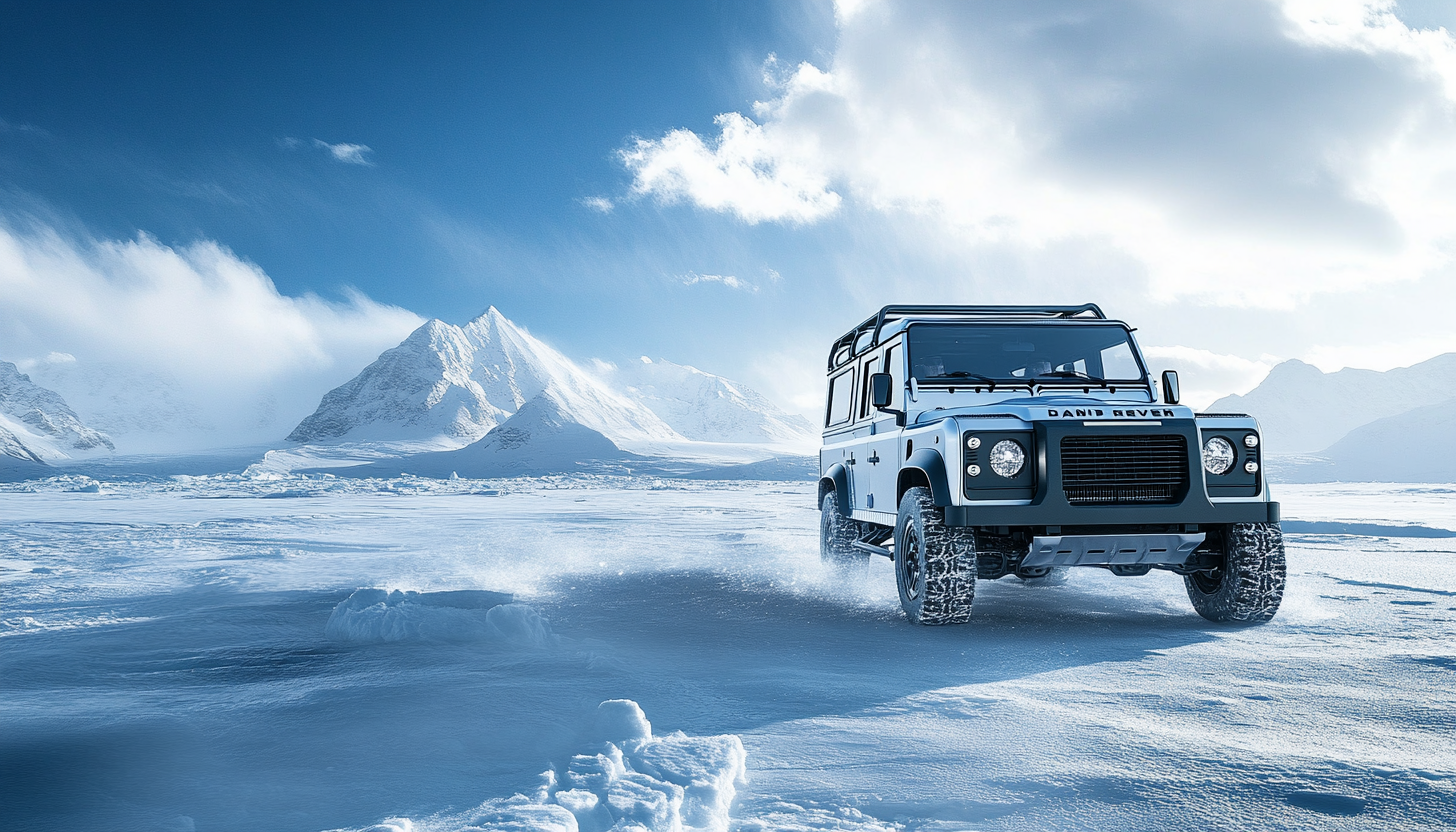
point(248, 360)
point(1243, 153)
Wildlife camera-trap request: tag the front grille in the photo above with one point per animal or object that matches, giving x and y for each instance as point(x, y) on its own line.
point(1119, 470)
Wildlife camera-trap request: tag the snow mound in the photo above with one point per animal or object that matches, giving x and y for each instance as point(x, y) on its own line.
point(376, 615)
point(629, 781)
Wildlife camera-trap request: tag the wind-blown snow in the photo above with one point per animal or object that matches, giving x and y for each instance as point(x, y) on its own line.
point(197, 652)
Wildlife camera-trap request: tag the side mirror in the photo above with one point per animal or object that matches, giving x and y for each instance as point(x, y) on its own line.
point(1170, 387)
point(880, 391)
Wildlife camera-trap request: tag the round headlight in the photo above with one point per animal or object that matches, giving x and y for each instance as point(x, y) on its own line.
point(1007, 458)
point(1218, 455)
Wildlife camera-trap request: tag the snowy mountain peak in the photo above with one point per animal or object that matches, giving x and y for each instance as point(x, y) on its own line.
point(41, 420)
point(451, 385)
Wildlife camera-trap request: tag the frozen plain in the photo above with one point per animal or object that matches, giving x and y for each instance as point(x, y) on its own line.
point(220, 653)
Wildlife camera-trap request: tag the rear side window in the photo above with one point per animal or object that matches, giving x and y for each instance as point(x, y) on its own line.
point(841, 398)
point(871, 367)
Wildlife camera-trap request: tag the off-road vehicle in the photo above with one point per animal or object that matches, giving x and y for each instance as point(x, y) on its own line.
point(977, 442)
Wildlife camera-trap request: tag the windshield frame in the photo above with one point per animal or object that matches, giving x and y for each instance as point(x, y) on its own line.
point(1033, 382)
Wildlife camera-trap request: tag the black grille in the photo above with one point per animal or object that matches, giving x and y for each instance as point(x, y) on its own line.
point(1116, 470)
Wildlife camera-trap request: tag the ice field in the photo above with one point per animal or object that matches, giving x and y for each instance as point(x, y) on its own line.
point(231, 653)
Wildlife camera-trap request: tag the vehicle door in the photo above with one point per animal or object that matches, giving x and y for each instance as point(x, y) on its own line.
point(861, 472)
point(884, 452)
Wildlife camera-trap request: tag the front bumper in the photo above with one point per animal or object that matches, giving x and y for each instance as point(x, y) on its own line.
point(1049, 506)
point(1058, 513)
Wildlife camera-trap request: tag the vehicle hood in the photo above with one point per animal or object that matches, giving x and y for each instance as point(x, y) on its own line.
point(1061, 408)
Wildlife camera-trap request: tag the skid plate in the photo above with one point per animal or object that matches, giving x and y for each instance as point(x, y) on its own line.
point(1108, 549)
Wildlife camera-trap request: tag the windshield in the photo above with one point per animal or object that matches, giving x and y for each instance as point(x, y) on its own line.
point(1018, 353)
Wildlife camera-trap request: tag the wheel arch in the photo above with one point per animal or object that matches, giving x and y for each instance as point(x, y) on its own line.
point(836, 479)
point(926, 468)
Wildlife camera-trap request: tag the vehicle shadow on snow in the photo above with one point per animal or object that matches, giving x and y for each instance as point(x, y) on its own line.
point(714, 652)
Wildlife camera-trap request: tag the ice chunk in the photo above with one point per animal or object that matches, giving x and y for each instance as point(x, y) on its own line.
point(376, 615)
point(620, 720)
point(709, 769)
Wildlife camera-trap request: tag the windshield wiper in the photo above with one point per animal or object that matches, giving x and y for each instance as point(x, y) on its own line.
point(1073, 375)
point(964, 374)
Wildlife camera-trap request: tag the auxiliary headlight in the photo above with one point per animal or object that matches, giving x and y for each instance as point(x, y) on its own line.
point(1007, 458)
point(1218, 455)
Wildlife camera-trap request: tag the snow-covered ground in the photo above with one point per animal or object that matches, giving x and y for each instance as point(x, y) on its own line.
point(233, 653)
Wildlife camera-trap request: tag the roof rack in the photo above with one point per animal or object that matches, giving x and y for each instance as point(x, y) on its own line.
point(877, 322)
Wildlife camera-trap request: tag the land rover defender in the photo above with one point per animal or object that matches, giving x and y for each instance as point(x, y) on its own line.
point(973, 443)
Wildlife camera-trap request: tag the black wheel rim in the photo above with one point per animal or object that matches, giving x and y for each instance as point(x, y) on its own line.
point(907, 560)
point(1208, 582)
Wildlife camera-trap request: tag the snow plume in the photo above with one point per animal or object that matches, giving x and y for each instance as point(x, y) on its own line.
point(1245, 153)
point(240, 358)
point(625, 779)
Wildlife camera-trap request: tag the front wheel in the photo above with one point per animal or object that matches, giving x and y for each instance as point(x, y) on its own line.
point(1248, 584)
point(935, 565)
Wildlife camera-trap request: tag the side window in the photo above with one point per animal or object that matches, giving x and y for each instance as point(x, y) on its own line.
point(870, 367)
point(894, 365)
point(841, 398)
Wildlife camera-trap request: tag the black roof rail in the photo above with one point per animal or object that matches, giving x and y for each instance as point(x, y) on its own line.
point(877, 322)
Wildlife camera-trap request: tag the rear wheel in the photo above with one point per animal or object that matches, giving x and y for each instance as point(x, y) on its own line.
point(837, 535)
point(1248, 584)
point(935, 565)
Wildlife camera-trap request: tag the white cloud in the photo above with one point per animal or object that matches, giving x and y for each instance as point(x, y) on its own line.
point(1250, 153)
point(746, 170)
point(600, 204)
point(693, 278)
point(198, 314)
point(349, 154)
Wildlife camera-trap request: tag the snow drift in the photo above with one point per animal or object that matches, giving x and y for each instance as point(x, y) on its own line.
point(624, 779)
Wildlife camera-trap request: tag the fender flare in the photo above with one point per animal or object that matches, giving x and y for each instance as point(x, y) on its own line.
point(932, 465)
point(836, 479)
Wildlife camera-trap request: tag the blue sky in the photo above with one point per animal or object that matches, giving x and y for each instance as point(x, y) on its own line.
point(723, 184)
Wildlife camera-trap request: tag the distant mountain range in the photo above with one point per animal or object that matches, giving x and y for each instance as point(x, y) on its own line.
point(37, 426)
point(1356, 425)
point(495, 401)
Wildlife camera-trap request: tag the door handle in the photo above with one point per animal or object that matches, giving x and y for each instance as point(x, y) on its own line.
point(875, 460)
